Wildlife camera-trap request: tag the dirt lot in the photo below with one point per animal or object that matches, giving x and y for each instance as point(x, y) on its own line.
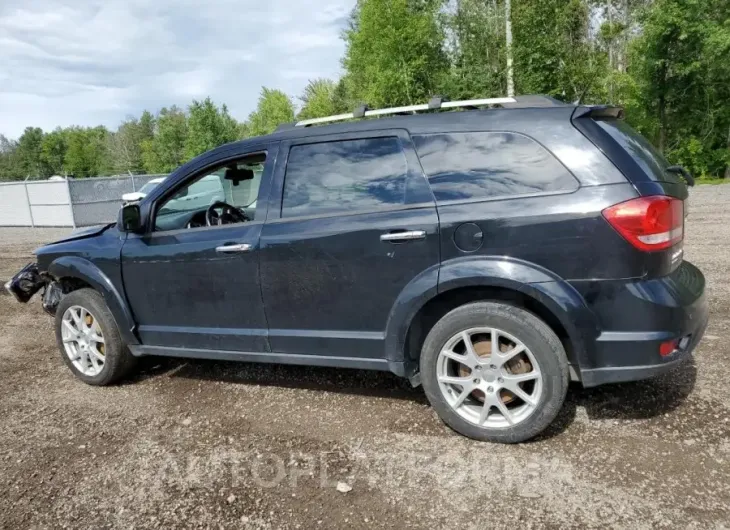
point(211, 444)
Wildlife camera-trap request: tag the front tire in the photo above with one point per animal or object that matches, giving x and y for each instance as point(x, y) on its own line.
point(494, 372)
point(89, 340)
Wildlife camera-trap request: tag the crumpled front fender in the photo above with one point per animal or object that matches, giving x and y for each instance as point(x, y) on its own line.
point(84, 270)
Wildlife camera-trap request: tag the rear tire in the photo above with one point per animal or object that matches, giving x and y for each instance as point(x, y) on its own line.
point(89, 339)
point(469, 388)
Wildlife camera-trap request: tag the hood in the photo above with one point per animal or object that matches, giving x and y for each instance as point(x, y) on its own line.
point(82, 233)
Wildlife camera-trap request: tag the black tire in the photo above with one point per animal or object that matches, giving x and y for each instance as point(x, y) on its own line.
point(118, 361)
point(534, 334)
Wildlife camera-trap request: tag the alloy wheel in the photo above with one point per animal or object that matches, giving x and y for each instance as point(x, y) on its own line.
point(83, 340)
point(489, 377)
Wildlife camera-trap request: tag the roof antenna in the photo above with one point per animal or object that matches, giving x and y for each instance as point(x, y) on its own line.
point(580, 96)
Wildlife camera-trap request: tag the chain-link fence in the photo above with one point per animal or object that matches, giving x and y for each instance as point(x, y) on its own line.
point(97, 201)
point(74, 202)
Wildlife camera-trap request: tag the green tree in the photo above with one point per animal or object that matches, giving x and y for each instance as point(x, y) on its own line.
point(476, 49)
point(682, 75)
point(165, 151)
point(29, 154)
point(125, 144)
point(87, 153)
point(320, 99)
point(394, 51)
point(274, 108)
point(53, 151)
point(552, 51)
point(9, 161)
point(343, 98)
point(244, 130)
point(208, 127)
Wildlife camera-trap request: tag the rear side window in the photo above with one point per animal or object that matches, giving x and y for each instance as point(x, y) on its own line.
point(485, 165)
point(344, 176)
point(649, 159)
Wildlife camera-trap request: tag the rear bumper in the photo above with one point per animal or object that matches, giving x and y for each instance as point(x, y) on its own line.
point(619, 374)
point(636, 317)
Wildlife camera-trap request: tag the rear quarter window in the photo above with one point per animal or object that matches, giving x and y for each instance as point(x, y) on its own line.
point(484, 165)
point(641, 150)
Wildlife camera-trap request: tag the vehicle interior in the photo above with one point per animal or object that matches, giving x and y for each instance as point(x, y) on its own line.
point(225, 195)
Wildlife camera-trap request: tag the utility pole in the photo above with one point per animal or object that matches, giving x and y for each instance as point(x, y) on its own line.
point(508, 38)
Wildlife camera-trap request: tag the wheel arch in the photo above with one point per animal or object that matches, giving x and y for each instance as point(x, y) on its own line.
point(508, 280)
point(80, 272)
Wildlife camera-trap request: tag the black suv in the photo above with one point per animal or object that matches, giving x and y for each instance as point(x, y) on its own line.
point(490, 255)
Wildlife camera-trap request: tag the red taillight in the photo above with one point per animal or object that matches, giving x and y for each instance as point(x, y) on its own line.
point(648, 223)
point(668, 347)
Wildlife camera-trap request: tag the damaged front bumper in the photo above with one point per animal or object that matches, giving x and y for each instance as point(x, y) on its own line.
point(26, 283)
point(29, 281)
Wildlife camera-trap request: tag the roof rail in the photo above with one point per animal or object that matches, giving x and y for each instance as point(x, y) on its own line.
point(435, 104)
point(285, 127)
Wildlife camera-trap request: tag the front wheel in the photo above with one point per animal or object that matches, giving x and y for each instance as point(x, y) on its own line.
point(89, 340)
point(494, 372)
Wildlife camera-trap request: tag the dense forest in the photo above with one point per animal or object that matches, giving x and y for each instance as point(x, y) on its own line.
point(666, 61)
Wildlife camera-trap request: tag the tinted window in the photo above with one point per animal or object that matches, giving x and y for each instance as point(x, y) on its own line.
point(651, 161)
point(484, 165)
point(344, 176)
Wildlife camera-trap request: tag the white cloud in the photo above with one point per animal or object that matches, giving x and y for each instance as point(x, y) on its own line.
point(89, 62)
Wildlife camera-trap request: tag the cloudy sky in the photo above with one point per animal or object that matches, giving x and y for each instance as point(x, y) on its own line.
point(89, 62)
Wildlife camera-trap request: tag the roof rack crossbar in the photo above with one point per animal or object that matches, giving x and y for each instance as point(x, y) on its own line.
point(363, 111)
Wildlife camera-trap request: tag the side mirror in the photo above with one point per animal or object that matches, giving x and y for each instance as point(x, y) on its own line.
point(130, 218)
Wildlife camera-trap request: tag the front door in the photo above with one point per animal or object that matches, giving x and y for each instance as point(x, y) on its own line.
point(356, 223)
point(193, 281)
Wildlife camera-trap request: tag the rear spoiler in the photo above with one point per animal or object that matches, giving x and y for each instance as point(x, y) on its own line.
point(599, 111)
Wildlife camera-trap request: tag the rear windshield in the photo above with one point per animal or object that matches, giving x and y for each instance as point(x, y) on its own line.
point(646, 155)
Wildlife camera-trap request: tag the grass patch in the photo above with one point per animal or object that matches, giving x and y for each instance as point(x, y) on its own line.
point(711, 181)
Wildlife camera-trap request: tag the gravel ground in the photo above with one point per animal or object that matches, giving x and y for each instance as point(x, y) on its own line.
point(212, 444)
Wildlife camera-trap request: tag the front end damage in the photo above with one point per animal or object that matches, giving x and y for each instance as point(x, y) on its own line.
point(29, 281)
point(26, 283)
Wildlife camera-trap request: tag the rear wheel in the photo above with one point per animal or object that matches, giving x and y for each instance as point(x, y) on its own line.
point(89, 340)
point(494, 372)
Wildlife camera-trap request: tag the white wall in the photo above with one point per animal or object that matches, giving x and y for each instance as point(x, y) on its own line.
point(50, 203)
point(35, 204)
point(14, 208)
point(83, 202)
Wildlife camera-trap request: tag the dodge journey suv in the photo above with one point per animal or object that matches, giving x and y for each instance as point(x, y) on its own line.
point(490, 255)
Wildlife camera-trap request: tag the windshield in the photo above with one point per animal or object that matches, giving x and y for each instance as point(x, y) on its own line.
point(642, 151)
point(148, 187)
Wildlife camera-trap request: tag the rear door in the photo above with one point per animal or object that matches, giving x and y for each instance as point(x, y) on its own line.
point(354, 224)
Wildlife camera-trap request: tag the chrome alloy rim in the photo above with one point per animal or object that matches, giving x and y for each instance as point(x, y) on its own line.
point(489, 377)
point(83, 340)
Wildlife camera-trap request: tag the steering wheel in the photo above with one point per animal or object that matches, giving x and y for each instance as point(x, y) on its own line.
point(229, 214)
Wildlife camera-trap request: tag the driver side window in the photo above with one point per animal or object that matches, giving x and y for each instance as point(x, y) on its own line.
point(235, 183)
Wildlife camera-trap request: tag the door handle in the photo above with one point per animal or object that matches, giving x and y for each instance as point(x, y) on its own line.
point(409, 235)
point(230, 249)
